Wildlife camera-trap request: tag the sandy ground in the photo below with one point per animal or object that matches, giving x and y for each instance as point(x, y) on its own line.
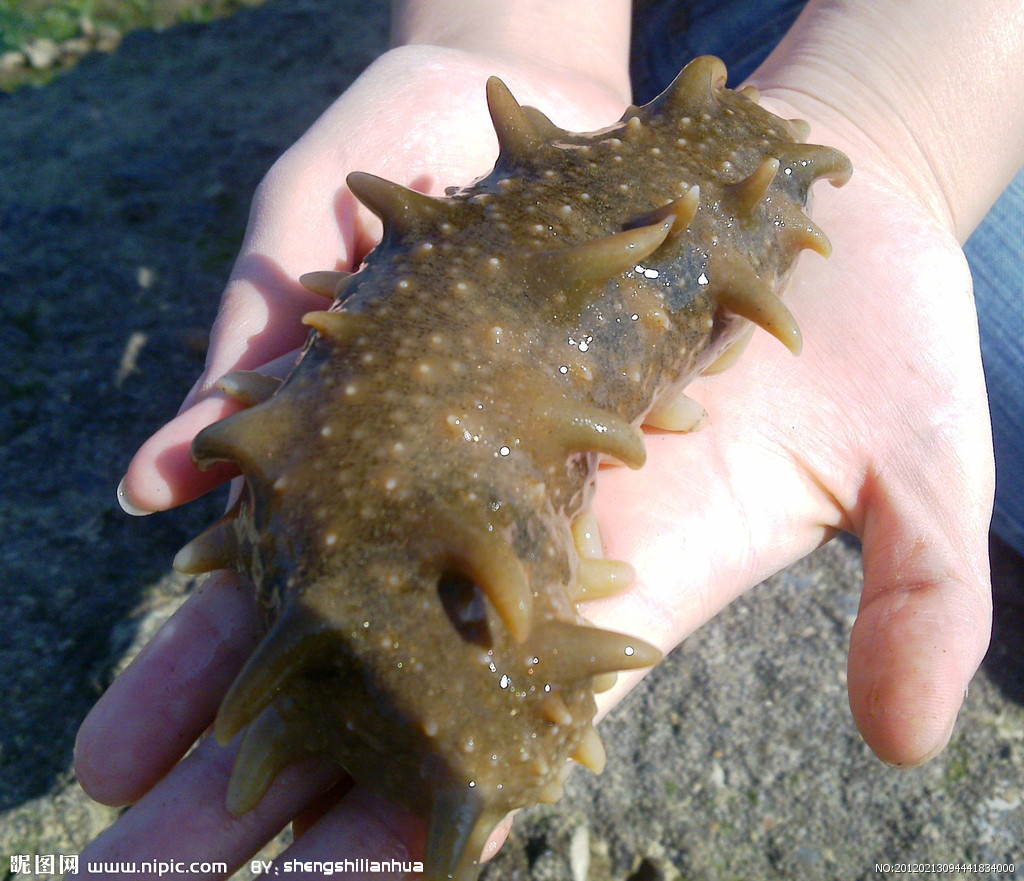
point(124, 187)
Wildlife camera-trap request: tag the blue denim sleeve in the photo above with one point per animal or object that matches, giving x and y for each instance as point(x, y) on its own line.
point(996, 255)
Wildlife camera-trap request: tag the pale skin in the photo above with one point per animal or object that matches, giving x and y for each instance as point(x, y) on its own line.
point(880, 427)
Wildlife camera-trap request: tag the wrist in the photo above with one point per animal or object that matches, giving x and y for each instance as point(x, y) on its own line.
point(923, 93)
point(584, 38)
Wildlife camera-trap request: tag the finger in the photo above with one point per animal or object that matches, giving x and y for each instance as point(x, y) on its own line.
point(922, 629)
point(259, 319)
point(157, 708)
point(162, 474)
point(184, 818)
point(359, 824)
point(359, 827)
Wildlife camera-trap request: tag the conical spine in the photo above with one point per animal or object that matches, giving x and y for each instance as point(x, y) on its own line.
point(226, 441)
point(579, 271)
point(694, 87)
point(799, 232)
point(267, 748)
point(578, 427)
point(810, 162)
point(680, 212)
point(488, 561)
point(744, 293)
point(747, 194)
point(676, 413)
point(216, 548)
point(296, 639)
point(335, 326)
point(456, 834)
point(400, 209)
point(518, 137)
point(589, 750)
point(326, 283)
point(249, 387)
point(567, 653)
point(602, 578)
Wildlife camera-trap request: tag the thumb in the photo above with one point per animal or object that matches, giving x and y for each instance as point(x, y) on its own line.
point(924, 621)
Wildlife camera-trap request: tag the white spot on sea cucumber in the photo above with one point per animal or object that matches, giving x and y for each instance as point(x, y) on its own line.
point(703, 279)
point(504, 682)
point(563, 369)
point(326, 431)
point(351, 389)
point(281, 483)
point(504, 451)
point(331, 539)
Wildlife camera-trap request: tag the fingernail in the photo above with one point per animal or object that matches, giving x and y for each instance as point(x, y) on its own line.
point(127, 505)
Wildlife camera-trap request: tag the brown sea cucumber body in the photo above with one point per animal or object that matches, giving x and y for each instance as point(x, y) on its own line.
point(412, 487)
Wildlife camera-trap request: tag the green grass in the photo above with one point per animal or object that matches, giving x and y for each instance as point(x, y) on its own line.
point(24, 21)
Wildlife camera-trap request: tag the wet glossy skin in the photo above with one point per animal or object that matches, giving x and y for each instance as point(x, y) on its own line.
point(412, 486)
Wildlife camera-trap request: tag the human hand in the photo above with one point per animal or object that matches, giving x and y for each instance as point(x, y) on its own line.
point(880, 427)
point(416, 116)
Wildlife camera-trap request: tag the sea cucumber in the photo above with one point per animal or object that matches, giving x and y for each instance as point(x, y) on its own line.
point(417, 491)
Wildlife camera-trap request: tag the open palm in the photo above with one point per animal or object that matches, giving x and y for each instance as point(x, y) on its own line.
point(880, 428)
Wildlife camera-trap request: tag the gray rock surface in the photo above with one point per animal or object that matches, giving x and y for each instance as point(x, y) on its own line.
point(124, 188)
